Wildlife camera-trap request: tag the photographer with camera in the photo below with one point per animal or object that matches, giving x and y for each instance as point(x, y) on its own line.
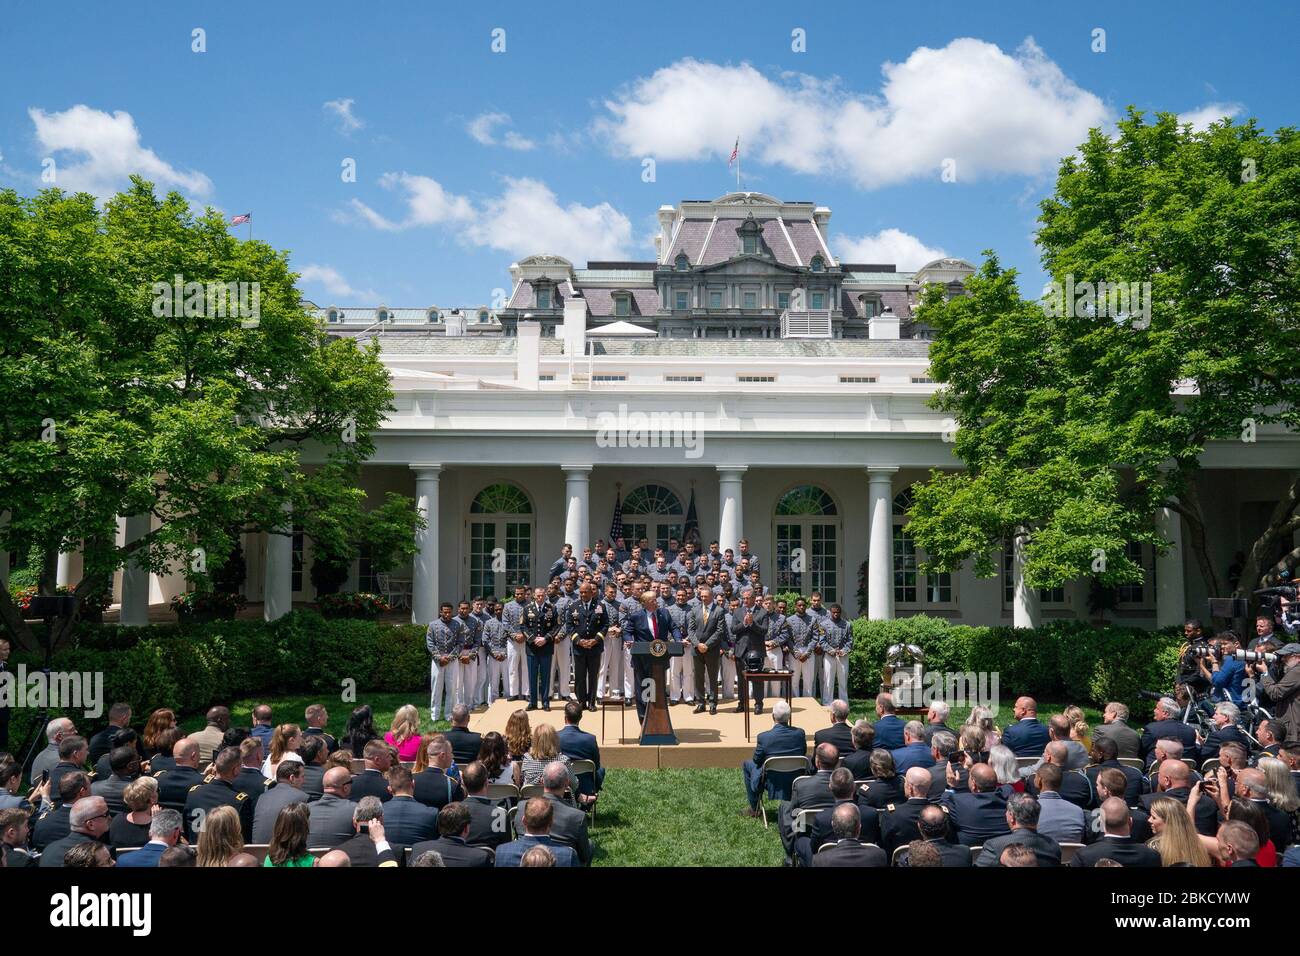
point(1279, 688)
point(1221, 667)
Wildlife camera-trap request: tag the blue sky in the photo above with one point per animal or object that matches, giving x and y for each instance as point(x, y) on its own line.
point(467, 159)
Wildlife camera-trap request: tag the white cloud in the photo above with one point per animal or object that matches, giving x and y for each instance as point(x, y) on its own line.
point(483, 129)
point(333, 282)
point(888, 245)
point(1203, 116)
point(108, 151)
point(526, 218)
point(990, 111)
point(349, 122)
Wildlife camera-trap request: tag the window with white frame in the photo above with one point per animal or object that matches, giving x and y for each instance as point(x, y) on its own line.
point(1046, 596)
point(911, 585)
point(1140, 594)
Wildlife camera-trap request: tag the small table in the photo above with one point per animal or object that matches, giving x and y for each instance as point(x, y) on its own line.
point(783, 677)
point(622, 714)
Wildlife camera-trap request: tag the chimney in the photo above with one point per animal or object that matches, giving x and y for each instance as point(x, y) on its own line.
point(455, 323)
point(884, 325)
point(575, 325)
point(529, 351)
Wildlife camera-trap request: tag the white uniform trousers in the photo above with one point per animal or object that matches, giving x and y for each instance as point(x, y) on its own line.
point(495, 676)
point(805, 676)
point(442, 687)
point(728, 678)
point(681, 676)
point(835, 673)
point(776, 659)
point(561, 668)
point(611, 667)
point(480, 686)
point(467, 681)
point(516, 669)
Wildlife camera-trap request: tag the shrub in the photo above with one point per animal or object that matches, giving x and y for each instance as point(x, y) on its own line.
point(352, 604)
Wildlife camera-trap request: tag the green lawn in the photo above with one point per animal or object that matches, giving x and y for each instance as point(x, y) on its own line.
point(646, 817)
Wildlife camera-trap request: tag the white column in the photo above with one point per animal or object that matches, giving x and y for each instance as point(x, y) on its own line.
point(277, 591)
point(63, 572)
point(424, 577)
point(135, 575)
point(730, 506)
point(1171, 600)
point(880, 551)
point(1024, 612)
point(577, 482)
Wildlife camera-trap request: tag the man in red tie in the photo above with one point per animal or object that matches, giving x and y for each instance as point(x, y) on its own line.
point(651, 623)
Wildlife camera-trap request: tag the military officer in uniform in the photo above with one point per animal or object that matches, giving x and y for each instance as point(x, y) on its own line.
point(220, 792)
point(835, 637)
point(443, 639)
point(496, 651)
point(587, 624)
point(539, 628)
point(803, 641)
point(174, 785)
point(516, 664)
point(898, 821)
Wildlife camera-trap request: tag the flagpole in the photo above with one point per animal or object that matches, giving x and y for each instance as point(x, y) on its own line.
point(738, 164)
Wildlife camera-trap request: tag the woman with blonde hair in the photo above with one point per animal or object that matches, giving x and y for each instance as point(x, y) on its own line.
point(285, 741)
point(131, 829)
point(405, 733)
point(1079, 729)
point(545, 749)
point(1176, 839)
point(982, 717)
point(974, 741)
point(221, 842)
point(160, 720)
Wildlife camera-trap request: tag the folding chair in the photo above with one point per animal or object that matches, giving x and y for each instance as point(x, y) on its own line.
point(1191, 764)
point(1211, 766)
point(502, 791)
point(583, 768)
point(258, 850)
point(1134, 762)
point(791, 767)
point(1022, 762)
point(531, 790)
point(358, 765)
point(975, 852)
point(898, 854)
point(801, 823)
point(1068, 850)
point(319, 851)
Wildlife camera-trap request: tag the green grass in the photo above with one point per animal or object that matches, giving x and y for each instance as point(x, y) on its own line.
point(646, 817)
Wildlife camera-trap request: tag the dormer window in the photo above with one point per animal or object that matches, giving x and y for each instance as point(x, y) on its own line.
point(483, 315)
point(543, 297)
point(433, 315)
point(750, 237)
point(868, 305)
point(682, 264)
point(382, 315)
point(622, 304)
point(332, 315)
point(818, 264)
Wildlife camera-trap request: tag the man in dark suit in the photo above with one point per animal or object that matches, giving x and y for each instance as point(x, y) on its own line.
point(406, 820)
point(119, 719)
point(980, 814)
point(934, 829)
point(781, 741)
point(1075, 787)
point(859, 758)
point(318, 718)
point(811, 792)
point(1115, 726)
point(651, 623)
point(331, 815)
point(888, 726)
point(434, 786)
point(568, 823)
point(586, 625)
point(1117, 841)
point(465, 743)
point(1168, 724)
point(126, 768)
point(838, 733)
point(935, 720)
point(706, 629)
point(915, 752)
point(1174, 780)
point(314, 752)
point(15, 825)
point(577, 744)
point(220, 792)
point(489, 820)
point(749, 643)
point(898, 821)
point(54, 823)
point(1225, 731)
point(164, 833)
point(1028, 735)
point(174, 785)
point(287, 790)
point(371, 781)
point(73, 751)
point(942, 744)
point(452, 845)
point(1104, 756)
point(88, 823)
point(1022, 821)
point(537, 815)
point(848, 849)
point(369, 847)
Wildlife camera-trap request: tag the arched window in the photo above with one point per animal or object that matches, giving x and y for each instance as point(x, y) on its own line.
point(818, 264)
point(911, 587)
point(500, 517)
point(683, 264)
point(483, 315)
point(806, 530)
point(333, 315)
point(653, 512)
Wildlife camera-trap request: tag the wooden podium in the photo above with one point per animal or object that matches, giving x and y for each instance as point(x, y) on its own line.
point(657, 728)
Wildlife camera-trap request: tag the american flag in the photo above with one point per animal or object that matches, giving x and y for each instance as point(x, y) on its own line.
point(240, 220)
point(735, 153)
point(616, 523)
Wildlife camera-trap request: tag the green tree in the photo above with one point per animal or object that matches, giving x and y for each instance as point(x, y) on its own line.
point(1076, 424)
point(118, 400)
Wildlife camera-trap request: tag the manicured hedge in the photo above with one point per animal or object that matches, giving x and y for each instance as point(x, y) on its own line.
point(1061, 661)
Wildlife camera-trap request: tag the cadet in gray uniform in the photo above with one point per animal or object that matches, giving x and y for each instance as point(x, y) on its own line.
point(835, 637)
point(778, 635)
point(467, 677)
point(681, 676)
point(563, 666)
point(803, 643)
point(516, 662)
point(443, 639)
point(496, 645)
point(482, 613)
point(611, 659)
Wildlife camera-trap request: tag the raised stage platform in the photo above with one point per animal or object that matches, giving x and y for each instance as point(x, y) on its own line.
point(704, 741)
